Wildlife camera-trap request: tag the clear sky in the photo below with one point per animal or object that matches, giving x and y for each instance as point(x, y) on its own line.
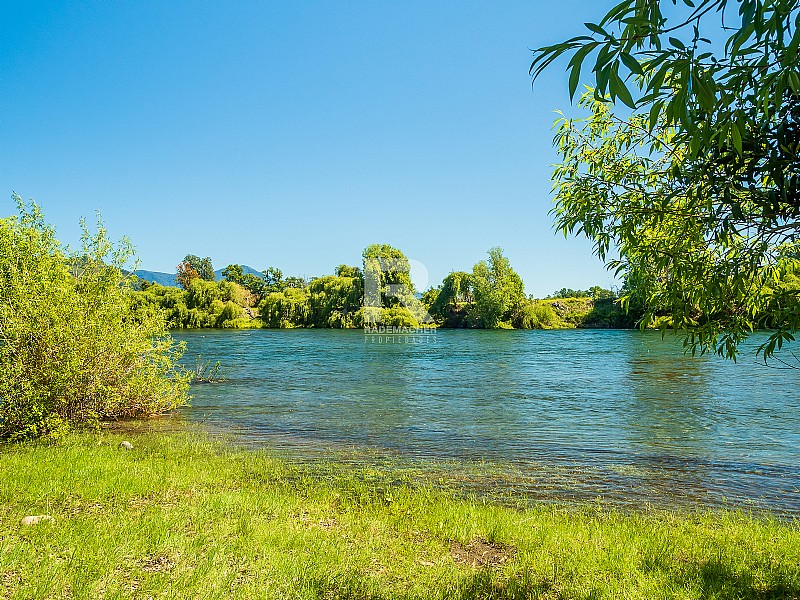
point(294, 134)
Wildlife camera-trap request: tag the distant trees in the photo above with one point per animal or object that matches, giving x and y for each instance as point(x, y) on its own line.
point(389, 293)
point(335, 301)
point(270, 280)
point(453, 301)
point(594, 292)
point(381, 292)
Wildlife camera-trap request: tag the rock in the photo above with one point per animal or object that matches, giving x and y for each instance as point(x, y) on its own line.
point(125, 446)
point(34, 519)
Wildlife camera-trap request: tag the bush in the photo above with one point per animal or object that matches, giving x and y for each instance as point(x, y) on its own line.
point(545, 316)
point(73, 349)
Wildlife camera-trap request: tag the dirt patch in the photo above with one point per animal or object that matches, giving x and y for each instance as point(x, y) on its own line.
point(480, 553)
point(157, 564)
point(9, 580)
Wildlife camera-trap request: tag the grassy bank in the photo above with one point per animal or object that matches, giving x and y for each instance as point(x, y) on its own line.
point(182, 516)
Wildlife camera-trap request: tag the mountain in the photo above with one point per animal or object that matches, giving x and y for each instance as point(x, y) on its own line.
point(168, 279)
point(245, 270)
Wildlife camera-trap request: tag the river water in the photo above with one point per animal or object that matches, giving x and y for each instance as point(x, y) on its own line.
point(620, 416)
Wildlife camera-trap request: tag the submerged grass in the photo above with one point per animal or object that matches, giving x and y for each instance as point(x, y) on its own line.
point(183, 516)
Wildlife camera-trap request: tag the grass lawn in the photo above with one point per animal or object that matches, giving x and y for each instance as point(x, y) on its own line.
point(182, 516)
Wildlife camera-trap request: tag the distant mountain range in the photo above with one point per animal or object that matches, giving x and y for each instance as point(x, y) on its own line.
point(168, 279)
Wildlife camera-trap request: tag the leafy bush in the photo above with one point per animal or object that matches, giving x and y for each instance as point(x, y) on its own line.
point(229, 313)
point(285, 309)
point(72, 349)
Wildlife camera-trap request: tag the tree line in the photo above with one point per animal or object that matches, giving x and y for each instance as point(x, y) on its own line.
point(491, 296)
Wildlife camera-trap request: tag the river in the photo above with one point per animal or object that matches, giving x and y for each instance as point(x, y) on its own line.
point(620, 416)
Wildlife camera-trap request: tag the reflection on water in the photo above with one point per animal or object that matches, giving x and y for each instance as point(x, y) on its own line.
point(571, 414)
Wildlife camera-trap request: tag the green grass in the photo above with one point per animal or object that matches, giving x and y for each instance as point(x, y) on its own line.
point(182, 516)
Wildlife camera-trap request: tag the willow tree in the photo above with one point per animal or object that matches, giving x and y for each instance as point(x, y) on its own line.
point(453, 300)
point(389, 293)
point(698, 190)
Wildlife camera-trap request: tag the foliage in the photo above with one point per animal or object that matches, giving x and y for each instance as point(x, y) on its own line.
point(270, 280)
point(388, 285)
point(616, 186)
point(289, 308)
point(337, 301)
point(347, 271)
point(203, 266)
point(295, 282)
point(453, 304)
point(497, 288)
point(334, 301)
point(204, 304)
point(186, 274)
point(703, 180)
point(71, 351)
point(595, 292)
point(570, 293)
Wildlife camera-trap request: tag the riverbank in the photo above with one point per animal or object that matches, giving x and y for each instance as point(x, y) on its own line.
point(183, 516)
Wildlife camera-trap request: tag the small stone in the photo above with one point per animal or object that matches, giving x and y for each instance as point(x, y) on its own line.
point(125, 446)
point(34, 519)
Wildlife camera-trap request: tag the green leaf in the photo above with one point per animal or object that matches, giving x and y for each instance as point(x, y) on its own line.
point(655, 112)
point(677, 43)
point(632, 64)
point(575, 65)
point(707, 97)
point(597, 29)
point(619, 89)
point(736, 136)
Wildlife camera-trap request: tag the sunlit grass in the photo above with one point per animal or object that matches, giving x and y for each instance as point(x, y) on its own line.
point(183, 516)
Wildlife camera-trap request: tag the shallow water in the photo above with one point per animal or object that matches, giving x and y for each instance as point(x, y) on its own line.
point(567, 415)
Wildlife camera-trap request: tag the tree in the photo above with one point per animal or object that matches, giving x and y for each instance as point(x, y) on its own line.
point(273, 280)
point(497, 288)
point(348, 271)
point(233, 273)
point(334, 301)
point(699, 189)
point(295, 282)
point(289, 308)
point(73, 351)
point(186, 274)
point(203, 266)
point(570, 293)
point(453, 302)
point(270, 280)
point(388, 285)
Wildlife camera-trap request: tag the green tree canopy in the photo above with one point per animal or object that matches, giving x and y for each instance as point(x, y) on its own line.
point(497, 288)
point(699, 189)
point(387, 281)
point(203, 266)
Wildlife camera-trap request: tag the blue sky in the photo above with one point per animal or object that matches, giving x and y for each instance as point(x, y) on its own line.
point(294, 134)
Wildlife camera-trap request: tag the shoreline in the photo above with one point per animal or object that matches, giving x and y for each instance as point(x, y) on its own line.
point(184, 516)
point(618, 483)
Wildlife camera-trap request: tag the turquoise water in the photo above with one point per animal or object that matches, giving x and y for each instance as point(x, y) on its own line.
point(581, 414)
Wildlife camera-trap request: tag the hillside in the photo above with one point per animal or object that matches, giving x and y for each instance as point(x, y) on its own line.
point(168, 279)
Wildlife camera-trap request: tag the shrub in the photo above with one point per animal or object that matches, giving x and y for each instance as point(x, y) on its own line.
point(72, 348)
point(546, 316)
point(229, 312)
